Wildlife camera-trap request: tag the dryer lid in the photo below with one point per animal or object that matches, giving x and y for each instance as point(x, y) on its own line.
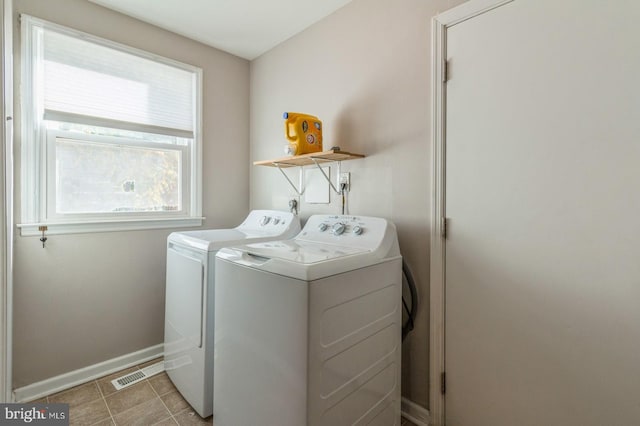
point(208, 240)
point(260, 225)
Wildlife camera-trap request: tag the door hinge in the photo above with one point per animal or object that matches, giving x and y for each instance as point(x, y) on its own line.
point(443, 383)
point(444, 227)
point(445, 71)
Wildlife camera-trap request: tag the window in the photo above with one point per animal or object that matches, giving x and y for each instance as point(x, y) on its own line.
point(111, 135)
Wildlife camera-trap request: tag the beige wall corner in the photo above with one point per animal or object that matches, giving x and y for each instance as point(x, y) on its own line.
point(365, 71)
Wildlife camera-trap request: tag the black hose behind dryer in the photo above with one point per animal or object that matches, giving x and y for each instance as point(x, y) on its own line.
point(411, 311)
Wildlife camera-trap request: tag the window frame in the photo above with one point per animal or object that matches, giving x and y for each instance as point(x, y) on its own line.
point(36, 161)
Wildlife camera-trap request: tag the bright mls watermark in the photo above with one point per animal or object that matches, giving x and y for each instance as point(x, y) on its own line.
point(34, 414)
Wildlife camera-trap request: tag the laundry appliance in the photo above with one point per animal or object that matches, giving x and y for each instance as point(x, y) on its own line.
point(189, 306)
point(308, 330)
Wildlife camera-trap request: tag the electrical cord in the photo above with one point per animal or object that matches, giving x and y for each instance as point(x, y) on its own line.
point(343, 191)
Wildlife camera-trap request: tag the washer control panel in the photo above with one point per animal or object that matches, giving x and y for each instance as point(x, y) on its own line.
point(339, 225)
point(356, 231)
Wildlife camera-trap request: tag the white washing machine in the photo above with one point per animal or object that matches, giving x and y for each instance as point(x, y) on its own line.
point(189, 305)
point(308, 330)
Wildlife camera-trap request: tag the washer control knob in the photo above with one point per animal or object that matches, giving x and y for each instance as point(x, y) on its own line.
point(358, 230)
point(276, 220)
point(264, 220)
point(338, 228)
point(323, 227)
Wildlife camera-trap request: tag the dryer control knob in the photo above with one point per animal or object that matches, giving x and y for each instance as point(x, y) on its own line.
point(276, 220)
point(358, 230)
point(264, 220)
point(338, 228)
point(323, 227)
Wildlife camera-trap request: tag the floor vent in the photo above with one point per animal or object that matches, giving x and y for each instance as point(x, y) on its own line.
point(137, 376)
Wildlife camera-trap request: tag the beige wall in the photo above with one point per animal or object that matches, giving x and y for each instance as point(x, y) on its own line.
point(91, 297)
point(365, 71)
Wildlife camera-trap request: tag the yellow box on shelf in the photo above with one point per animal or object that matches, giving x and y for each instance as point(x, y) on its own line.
point(303, 132)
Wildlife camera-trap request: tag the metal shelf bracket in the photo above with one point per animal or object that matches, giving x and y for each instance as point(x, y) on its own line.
point(298, 191)
point(318, 164)
point(315, 161)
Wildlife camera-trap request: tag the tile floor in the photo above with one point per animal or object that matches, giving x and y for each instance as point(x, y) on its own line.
point(153, 401)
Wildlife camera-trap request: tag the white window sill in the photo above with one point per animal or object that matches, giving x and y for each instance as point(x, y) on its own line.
point(59, 228)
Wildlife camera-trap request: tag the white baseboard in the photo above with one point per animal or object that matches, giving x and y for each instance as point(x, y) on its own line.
point(415, 413)
point(86, 374)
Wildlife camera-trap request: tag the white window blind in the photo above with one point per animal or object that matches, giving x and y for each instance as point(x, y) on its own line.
point(85, 82)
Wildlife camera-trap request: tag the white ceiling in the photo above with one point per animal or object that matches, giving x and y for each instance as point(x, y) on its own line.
point(246, 28)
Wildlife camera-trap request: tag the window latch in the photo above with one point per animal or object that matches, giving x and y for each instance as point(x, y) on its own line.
point(43, 238)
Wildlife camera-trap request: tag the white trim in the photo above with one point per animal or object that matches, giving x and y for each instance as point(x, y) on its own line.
point(416, 414)
point(468, 10)
point(30, 152)
point(196, 151)
point(86, 374)
point(60, 228)
point(436, 287)
point(6, 228)
point(440, 24)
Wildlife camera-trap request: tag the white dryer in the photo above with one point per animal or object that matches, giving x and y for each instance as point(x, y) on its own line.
point(189, 304)
point(308, 330)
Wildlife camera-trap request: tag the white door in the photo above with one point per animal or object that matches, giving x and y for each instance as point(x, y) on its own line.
point(542, 323)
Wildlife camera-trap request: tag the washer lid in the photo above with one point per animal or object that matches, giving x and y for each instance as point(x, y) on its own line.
point(302, 260)
point(299, 251)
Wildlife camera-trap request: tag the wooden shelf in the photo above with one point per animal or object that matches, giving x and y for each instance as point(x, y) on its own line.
point(308, 159)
